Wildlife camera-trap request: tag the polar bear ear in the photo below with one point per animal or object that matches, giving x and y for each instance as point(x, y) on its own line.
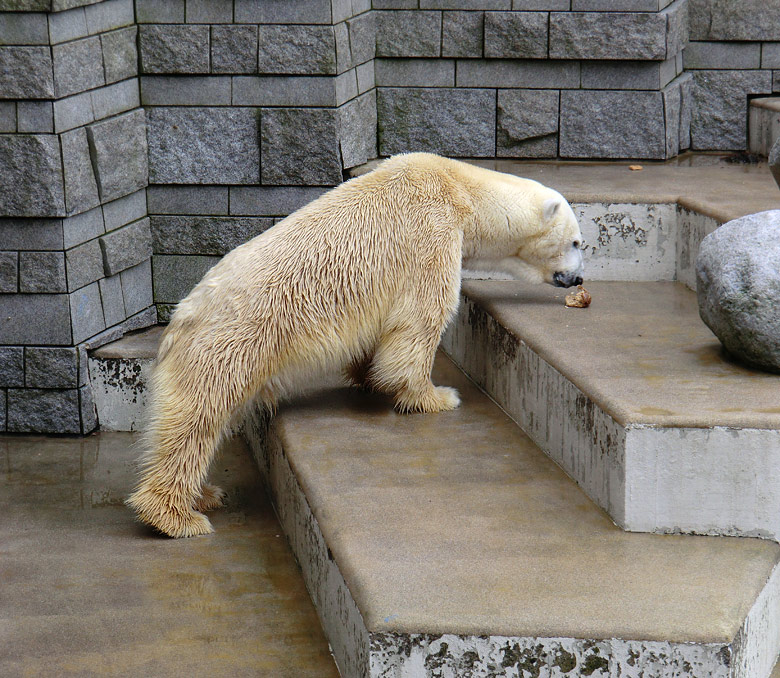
point(550, 208)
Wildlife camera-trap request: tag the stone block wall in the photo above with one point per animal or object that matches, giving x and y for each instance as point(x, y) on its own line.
point(533, 78)
point(734, 54)
point(253, 109)
point(75, 239)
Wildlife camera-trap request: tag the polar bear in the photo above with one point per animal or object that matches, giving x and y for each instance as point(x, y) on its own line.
point(363, 280)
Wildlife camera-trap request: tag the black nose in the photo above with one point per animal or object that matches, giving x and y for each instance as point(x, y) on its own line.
point(566, 280)
point(577, 281)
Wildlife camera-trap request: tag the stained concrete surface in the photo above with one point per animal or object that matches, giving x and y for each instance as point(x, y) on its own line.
point(457, 523)
point(640, 351)
point(86, 591)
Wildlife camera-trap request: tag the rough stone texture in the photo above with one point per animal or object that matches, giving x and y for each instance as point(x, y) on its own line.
point(234, 49)
point(7, 116)
point(720, 100)
point(748, 20)
point(84, 265)
point(35, 116)
point(49, 367)
point(297, 50)
point(31, 176)
point(606, 35)
point(78, 66)
point(81, 190)
point(456, 122)
point(112, 301)
point(516, 35)
point(120, 55)
point(774, 161)
point(137, 287)
point(408, 34)
point(24, 29)
point(126, 247)
point(87, 409)
point(26, 73)
point(357, 122)
point(9, 272)
point(300, 146)
point(362, 37)
point(174, 276)
point(204, 235)
point(527, 124)
point(46, 319)
point(42, 272)
point(11, 366)
point(174, 49)
point(119, 154)
point(596, 124)
point(42, 411)
point(86, 312)
point(738, 286)
point(204, 146)
point(462, 34)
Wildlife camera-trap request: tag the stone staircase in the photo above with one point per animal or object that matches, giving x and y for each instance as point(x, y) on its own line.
point(451, 544)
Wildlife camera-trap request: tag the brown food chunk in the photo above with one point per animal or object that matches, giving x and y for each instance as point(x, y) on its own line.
point(580, 299)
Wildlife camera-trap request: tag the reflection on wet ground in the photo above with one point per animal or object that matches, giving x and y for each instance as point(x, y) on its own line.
point(86, 591)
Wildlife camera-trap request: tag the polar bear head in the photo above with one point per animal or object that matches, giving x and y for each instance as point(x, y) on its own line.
point(552, 244)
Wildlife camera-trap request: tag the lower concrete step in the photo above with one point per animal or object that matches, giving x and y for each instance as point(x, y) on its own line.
point(763, 124)
point(449, 545)
point(633, 398)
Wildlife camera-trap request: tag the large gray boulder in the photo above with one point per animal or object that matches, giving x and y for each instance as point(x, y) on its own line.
point(738, 284)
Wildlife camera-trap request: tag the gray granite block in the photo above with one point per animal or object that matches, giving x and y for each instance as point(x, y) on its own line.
point(119, 153)
point(395, 4)
point(770, 55)
point(673, 101)
point(527, 123)
point(720, 100)
point(343, 52)
point(87, 409)
point(31, 176)
point(84, 264)
point(283, 11)
point(114, 99)
point(545, 5)
point(65, 26)
point(72, 112)
point(124, 210)
point(608, 35)
point(26, 73)
point(203, 146)
point(465, 4)
point(362, 37)
point(204, 235)
point(462, 34)
point(3, 409)
point(749, 20)
point(366, 79)
point(7, 116)
point(297, 50)
point(357, 130)
point(62, 5)
point(43, 411)
point(83, 360)
point(284, 91)
point(346, 86)
point(159, 11)
point(51, 367)
point(639, 75)
point(677, 26)
point(120, 54)
point(522, 73)
point(209, 11)
point(271, 200)
point(109, 15)
point(82, 227)
point(11, 366)
point(455, 122)
point(185, 90)
point(31, 234)
point(35, 116)
point(81, 191)
point(47, 319)
point(618, 5)
point(234, 49)
point(730, 55)
point(126, 246)
point(516, 35)
point(112, 301)
point(174, 49)
point(408, 34)
point(187, 200)
point(42, 272)
point(604, 124)
point(300, 146)
point(78, 66)
point(415, 72)
point(86, 312)
point(174, 276)
point(9, 272)
point(24, 29)
point(137, 287)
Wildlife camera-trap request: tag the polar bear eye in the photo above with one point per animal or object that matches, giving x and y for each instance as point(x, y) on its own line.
point(576, 244)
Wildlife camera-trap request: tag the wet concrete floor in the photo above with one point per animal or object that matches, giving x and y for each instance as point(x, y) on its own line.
point(86, 591)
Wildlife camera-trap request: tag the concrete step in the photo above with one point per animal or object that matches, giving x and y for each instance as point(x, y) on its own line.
point(633, 398)
point(450, 545)
point(763, 124)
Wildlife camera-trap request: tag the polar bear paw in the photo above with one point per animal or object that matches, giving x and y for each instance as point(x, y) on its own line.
point(167, 517)
point(211, 497)
point(435, 399)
